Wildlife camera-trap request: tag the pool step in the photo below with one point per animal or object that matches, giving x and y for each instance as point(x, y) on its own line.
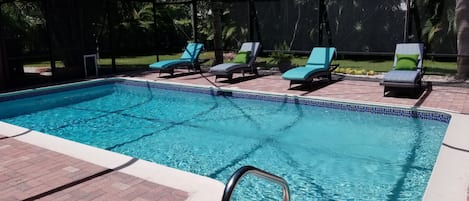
point(224, 93)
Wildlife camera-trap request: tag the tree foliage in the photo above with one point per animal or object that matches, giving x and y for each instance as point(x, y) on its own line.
point(24, 26)
point(358, 25)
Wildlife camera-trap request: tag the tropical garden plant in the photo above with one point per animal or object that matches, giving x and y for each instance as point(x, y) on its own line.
point(134, 32)
point(462, 18)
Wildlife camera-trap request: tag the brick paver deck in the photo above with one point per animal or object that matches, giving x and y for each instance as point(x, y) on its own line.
point(443, 97)
point(29, 172)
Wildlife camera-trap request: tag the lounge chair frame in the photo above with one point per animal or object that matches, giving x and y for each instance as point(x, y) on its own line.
point(317, 75)
point(415, 85)
point(322, 73)
point(242, 70)
point(192, 63)
point(250, 67)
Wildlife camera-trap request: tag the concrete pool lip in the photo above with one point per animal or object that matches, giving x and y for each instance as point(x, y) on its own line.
point(449, 179)
point(450, 176)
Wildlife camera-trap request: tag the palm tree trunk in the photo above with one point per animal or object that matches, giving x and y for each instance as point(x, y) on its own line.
point(462, 26)
point(217, 32)
point(3, 66)
point(296, 27)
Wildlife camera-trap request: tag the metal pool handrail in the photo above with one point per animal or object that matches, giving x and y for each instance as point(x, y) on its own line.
point(245, 170)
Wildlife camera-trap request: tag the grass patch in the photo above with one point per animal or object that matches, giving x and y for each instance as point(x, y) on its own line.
point(58, 64)
point(432, 67)
point(146, 60)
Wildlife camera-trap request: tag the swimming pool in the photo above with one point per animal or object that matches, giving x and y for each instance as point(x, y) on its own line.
point(325, 150)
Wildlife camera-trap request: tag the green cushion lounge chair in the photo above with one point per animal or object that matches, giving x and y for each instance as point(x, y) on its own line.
point(226, 70)
point(189, 59)
point(409, 77)
point(317, 66)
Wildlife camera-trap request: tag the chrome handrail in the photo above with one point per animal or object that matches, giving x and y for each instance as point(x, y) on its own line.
point(245, 170)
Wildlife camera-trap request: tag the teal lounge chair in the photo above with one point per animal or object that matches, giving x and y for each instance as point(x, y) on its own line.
point(317, 66)
point(226, 70)
point(407, 69)
point(189, 59)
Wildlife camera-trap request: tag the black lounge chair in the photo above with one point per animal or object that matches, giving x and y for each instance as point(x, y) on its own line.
point(226, 70)
point(407, 70)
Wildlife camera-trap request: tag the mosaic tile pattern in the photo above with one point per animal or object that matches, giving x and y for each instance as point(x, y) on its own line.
point(168, 87)
point(445, 96)
point(55, 89)
point(421, 114)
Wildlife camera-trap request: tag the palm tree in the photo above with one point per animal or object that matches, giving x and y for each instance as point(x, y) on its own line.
point(216, 8)
point(299, 4)
point(139, 17)
point(462, 18)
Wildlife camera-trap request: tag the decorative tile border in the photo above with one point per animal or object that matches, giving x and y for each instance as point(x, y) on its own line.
point(171, 87)
point(52, 89)
point(393, 111)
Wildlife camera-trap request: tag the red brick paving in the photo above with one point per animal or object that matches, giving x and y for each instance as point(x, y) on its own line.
point(34, 173)
point(443, 97)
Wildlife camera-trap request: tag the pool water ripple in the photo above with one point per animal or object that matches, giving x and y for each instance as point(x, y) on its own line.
point(323, 153)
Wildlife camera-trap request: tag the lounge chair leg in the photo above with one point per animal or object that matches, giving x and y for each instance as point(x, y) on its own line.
point(197, 67)
point(256, 72)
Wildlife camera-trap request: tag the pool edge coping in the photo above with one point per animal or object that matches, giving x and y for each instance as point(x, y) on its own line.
point(439, 186)
point(449, 179)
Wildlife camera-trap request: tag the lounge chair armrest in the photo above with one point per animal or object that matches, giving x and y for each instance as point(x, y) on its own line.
point(423, 69)
point(201, 61)
point(333, 67)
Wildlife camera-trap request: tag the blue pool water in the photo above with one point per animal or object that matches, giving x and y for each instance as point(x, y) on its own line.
point(323, 153)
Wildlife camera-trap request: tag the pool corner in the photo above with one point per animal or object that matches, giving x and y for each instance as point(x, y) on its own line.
point(450, 176)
